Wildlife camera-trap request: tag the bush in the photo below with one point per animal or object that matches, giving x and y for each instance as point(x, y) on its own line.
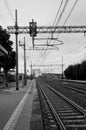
point(10, 78)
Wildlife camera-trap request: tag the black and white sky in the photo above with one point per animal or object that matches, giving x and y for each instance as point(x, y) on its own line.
point(44, 12)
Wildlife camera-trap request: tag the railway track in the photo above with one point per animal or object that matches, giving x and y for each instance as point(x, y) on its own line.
point(76, 95)
point(59, 112)
point(75, 86)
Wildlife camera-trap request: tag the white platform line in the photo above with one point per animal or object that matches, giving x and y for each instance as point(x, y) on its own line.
point(15, 116)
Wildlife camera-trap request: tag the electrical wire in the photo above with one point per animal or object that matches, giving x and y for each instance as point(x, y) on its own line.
point(60, 15)
point(9, 10)
point(79, 45)
point(68, 15)
point(3, 20)
point(80, 57)
point(57, 15)
point(70, 12)
point(58, 12)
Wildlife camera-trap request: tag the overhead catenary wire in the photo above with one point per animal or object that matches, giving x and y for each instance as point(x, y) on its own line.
point(60, 16)
point(3, 20)
point(69, 15)
point(74, 50)
point(71, 58)
point(57, 12)
point(55, 20)
point(79, 45)
point(70, 12)
point(79, 54)
point(9, 10)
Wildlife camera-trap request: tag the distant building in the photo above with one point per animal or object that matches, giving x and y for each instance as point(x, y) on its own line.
point(37, 72)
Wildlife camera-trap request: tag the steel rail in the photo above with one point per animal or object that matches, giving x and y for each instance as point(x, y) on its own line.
point(80, 90)
point(72, 115)
point(57, 118)
point(69, 86)
point(68, 100)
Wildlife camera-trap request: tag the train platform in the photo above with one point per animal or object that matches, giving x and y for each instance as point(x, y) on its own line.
point(27, 115)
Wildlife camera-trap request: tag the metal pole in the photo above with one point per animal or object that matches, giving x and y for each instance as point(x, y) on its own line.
point(76, 71)
point(16, 36)
point(31, 70)
point(32, 34)
point(62, 67)
point(24, 63)
point(33, 41)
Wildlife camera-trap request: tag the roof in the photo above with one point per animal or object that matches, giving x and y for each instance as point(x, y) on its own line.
point(3, 51)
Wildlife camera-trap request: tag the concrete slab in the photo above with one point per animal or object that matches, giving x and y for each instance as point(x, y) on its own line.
point(19, 115)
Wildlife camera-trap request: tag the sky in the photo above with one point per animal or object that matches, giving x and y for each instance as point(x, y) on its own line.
point(73, 49)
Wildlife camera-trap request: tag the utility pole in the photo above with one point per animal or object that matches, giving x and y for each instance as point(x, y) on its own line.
point(76, 71)
point(25, 76)
point(62, 67)
point(16, 37)
point(31, 70)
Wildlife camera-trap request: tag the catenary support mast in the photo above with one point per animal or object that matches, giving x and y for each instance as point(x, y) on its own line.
point(16, 36)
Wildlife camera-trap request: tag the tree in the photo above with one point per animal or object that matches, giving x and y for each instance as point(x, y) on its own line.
point(83, 70)
point(7, 61)
point(77, 71)
point(69, 72)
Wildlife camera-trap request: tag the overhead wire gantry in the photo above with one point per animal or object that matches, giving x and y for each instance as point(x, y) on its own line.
point(48, 29)
point(33, 30)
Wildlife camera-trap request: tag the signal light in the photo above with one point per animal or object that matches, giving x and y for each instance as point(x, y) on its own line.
point(33, 29)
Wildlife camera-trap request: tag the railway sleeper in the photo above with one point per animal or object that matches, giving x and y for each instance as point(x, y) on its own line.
point(72, 122)
point(68, 111)
point(65, 109)
point(69, 114)
point(76, 127)
point(72, 117)
point(52, 127)
point(62, 106)
point(48, 119)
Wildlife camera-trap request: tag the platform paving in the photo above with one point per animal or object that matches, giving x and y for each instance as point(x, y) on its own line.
point(23, 117)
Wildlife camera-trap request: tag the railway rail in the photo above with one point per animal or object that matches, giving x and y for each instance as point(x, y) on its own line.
point(76, 94)
point(59, 112)
point(75, 87)
point(78, 87)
